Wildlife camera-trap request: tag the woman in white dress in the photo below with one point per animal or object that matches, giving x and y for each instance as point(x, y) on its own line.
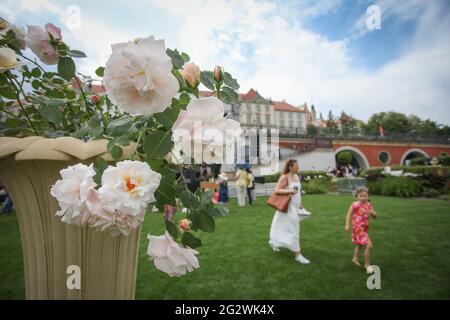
point(285, 228)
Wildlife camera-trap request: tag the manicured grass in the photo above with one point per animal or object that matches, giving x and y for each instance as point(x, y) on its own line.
point(411, 245)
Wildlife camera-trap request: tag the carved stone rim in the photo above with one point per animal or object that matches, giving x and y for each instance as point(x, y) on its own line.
point(62, 149)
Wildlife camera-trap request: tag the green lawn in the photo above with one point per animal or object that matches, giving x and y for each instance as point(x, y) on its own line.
point(411, 245)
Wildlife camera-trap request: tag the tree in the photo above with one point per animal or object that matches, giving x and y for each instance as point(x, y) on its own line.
point(344, 158)
point(393, 123)
point(349, 125)
point(332, 127)
point(312, 130)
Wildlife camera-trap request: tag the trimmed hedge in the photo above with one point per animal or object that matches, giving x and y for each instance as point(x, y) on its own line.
point(397, 187)
point(317, 186)
point(304, 175)
point(421, 161)
point(434, 179)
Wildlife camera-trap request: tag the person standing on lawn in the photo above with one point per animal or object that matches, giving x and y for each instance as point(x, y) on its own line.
point(285, 228)
point(360, 212)
point(241, 186)
point(250, 186)
point(223, 188)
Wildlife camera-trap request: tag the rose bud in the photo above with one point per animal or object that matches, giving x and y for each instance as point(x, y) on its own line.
point(185, 224)
point(95, 99)
point(191, 73)
point(218, 74)
point(169, 212)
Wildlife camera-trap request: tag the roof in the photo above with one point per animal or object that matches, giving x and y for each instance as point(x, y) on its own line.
point(284, 106)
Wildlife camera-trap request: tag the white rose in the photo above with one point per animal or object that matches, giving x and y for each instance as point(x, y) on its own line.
point(8, 59)
point(138, 76)
point(170, 257)
point(72, 191)
point(38, 40)
point(203, 125)
point(101, 216)
point(129, 187)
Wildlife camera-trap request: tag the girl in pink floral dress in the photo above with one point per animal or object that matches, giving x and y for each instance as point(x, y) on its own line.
point(360, 212)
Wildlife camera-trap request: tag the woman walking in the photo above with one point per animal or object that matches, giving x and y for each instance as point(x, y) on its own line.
point(285, 228)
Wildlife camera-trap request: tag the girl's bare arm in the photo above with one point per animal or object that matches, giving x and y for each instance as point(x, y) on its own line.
point(347, 219)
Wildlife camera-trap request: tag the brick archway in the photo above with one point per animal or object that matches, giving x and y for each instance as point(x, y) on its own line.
point(358, 154)
point(413, 150)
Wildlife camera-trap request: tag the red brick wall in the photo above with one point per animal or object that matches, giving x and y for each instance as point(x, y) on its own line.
point(396, 151)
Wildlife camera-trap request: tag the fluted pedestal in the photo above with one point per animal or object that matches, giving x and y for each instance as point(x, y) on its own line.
point(28, 168)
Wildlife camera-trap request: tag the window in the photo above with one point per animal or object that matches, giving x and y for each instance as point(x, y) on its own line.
point(384, 157)
point(267, 118)
point(282, 119)
point(249, 118)
point(291, 120)
point(258, 118)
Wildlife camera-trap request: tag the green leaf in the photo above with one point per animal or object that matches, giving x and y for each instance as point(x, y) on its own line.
point(93, 123)
point(8, 93)
point(96, 132)
point(172, 229)
point(185, 57)
point(155, 164)
point(100, 71)
point(204, 221)
point(190, 240)
point(189, 200)
point(100, 165)
point(165, 194)
point(168, 175)
point(62, 48)
point(168, 117)
point(116, 152)
point(184, 100)
point(207, 78)
point(228, 95)
point(119, 127)
point(123, 141)
point(76, 53)
point(219, 212)
point(66, 68)
point(36, 72)
point(13, 123)
point(51, 114)
point(230, 81)
point(81, 133)
point(35, 84)
point(177, 60)
point(70, 94)
point(157, 144)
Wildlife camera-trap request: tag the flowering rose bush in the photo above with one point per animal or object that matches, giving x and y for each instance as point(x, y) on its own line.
point(151, 92)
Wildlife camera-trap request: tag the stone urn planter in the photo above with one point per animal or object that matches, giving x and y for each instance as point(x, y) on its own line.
point(28, 168)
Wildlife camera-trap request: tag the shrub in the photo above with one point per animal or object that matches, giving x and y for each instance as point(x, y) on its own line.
point(304, 176)
point(397, 187)
point(314, 188)
point(344, 158)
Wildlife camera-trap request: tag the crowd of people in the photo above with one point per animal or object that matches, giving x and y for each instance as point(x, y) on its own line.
point(344, 171)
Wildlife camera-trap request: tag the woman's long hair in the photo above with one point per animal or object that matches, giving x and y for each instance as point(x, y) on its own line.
point(288, 165)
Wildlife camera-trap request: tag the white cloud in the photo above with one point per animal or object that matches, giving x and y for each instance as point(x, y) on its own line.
point(289, 62)
point(93, 37)
point(265, 45)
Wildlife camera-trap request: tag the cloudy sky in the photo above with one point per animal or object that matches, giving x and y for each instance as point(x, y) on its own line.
point(319, 52)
